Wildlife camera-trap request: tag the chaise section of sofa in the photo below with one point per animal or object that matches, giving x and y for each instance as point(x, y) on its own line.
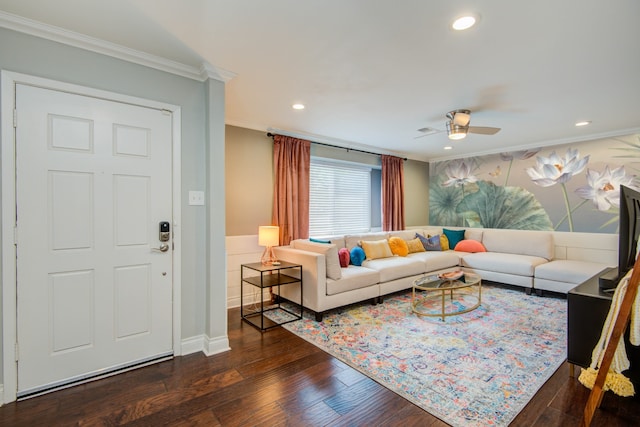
point(511, 256)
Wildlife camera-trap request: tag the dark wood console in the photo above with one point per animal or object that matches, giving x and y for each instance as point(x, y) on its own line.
point(588, 307)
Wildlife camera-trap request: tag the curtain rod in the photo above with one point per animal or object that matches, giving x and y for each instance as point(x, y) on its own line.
point(271, 135)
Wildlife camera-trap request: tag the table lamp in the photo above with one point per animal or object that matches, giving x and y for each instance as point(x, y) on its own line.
point(269, 236)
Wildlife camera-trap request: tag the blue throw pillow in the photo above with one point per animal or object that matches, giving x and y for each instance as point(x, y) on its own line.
point(357, 256)
point(431, 243)
point(454, 236)
point(319, 240)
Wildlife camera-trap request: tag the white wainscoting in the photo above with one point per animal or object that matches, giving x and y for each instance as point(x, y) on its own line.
point(241, 250)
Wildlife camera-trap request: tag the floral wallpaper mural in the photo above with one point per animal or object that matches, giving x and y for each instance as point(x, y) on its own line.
point(572, 187)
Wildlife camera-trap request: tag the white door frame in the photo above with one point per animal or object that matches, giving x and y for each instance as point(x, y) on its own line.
point(8, 83)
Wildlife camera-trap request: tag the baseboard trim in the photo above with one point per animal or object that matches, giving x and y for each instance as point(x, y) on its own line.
point(216, 345)
point(209, 346)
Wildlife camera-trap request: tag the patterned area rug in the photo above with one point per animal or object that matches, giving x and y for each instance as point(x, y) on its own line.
point(475, 369)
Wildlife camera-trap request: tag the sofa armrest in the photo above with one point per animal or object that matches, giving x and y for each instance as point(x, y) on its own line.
point(314, 276)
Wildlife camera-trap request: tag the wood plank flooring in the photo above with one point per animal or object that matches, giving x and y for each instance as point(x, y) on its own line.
point(276, 379)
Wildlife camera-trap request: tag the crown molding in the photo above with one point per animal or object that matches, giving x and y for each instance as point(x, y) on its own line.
point(81, 41)
point(208, 71)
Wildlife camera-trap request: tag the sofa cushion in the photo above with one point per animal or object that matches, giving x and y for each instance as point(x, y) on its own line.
point(444, 242)
point(431, 243)
point(454, 236)
point(395, 267)
point(522, 265)
point(376, 249)
point(434, 261)
point(469, 246)
point(353, 240)
point(356, 256)
point(398, 246)
point(473, 234)
point(415, 245)
point(311, 239)
point(403, 234)
point(344, 257)
point(523, 242)
point(353, 278)
point(330, 252)
point(570, 271)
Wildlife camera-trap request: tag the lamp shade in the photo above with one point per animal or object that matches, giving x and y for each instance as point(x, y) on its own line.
point(268, 235)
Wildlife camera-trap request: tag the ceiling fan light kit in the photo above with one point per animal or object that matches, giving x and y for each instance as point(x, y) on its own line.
point(455, 131)
point(458, 125)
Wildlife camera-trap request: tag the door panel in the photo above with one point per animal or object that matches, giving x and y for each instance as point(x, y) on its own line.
point(93, 180)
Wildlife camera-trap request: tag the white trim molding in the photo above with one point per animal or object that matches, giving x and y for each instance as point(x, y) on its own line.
point(81, 41)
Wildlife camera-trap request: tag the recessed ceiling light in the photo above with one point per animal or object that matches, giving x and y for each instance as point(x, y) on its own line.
point(448, 147)
point(298, 106)
point(583, 123)
point(464, 22)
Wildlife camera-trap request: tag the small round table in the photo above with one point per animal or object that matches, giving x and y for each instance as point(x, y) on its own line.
point(430, 285)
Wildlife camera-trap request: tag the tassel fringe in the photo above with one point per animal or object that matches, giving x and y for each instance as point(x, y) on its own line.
point(617, 383)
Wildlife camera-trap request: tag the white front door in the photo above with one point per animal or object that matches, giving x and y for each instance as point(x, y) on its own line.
point(93, 182)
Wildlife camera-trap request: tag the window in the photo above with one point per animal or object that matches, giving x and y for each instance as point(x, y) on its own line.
point(340, 198)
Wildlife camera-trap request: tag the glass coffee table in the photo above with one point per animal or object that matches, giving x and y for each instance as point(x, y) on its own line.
point(438, 296)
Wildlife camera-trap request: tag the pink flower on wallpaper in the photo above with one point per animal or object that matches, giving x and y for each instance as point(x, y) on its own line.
point(604, 188)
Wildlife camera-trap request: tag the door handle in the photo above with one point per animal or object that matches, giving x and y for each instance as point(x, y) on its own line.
point(163, 248)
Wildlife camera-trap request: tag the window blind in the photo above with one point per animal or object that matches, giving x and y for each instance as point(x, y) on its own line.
point(339, 198)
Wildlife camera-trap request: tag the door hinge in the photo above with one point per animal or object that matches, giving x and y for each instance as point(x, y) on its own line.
point(15, 236)
point(17, 352)
point(15, 118)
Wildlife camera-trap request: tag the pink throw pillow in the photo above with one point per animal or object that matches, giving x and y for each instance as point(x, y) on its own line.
point(344, 257)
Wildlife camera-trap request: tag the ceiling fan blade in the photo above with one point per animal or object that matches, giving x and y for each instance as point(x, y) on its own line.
point(483, 130)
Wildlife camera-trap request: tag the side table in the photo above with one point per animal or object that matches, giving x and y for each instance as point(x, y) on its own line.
point(267, 277)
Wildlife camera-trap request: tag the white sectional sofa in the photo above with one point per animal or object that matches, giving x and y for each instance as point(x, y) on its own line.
point(516, 257)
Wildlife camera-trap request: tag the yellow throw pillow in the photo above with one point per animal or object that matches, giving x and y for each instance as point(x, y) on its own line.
point(415, 245)
point(375, 249)
point(444, 242)
point(398, 246)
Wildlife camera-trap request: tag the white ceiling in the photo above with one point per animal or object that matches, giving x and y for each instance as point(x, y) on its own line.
point(373, 72)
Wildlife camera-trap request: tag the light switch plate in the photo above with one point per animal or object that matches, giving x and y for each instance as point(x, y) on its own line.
point(196, 198)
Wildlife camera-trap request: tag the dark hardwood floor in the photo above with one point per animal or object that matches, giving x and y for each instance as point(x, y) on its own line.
point(276, 379)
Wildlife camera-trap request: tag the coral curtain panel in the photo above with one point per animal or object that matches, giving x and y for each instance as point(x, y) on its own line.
point(291, 160)
point(392, 193)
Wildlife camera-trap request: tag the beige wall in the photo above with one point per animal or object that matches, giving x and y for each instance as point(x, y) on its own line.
point(416, 193)
point(249, 180)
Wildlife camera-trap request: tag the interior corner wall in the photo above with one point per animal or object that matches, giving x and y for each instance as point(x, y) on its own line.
point(39, 57)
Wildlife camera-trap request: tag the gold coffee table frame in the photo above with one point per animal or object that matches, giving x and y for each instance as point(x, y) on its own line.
point(430, 285)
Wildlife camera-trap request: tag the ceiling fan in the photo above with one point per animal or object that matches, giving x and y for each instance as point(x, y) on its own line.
point(458, 125)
